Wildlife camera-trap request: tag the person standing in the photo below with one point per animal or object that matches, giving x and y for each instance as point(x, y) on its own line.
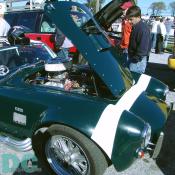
point(126, 31)
point(3, 23)
point(160, 37)
point(154, 27)
point(140, 41)
point(168, 25)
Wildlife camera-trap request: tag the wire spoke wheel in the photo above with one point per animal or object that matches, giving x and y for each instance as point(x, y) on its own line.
point(65, 155)
point(65, 151)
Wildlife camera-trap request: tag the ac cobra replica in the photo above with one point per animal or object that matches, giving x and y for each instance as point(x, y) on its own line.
point(79, 119)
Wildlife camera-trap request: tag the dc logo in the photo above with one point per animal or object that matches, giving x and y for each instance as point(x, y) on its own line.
point(3, 70)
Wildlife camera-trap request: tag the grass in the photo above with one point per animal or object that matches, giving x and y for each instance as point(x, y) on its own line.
point(170, 48)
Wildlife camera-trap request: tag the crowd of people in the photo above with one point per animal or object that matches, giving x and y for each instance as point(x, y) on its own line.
point(135, 40)
point(138, 38)
point(160, 32)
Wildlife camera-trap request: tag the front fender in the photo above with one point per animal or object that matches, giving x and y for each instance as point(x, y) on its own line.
point(128, 139)
point(155, 87)
point(151, 110)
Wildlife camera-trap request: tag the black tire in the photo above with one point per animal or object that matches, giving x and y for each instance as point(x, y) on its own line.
point(82, 152)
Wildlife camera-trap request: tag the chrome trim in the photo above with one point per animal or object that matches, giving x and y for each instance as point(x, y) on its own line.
point(18, 145)
point(146, 134)
point(158, 146)
point(149, 149)
point(152, 144)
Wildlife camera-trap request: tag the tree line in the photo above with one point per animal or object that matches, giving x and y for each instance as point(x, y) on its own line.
point(158, 7)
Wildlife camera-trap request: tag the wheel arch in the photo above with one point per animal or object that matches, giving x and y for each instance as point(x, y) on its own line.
point(45, 125)
point(43, 133)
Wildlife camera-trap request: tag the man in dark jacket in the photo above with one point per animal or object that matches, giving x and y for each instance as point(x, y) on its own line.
point(140, 41)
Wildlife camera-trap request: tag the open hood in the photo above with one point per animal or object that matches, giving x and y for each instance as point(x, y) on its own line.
point(91, 41)
point(112, 11)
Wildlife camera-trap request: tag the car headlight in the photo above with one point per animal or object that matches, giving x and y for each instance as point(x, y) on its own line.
point(146, 135)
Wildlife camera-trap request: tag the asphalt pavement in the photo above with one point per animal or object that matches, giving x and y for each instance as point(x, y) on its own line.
point(14, 163)
point(157, 67)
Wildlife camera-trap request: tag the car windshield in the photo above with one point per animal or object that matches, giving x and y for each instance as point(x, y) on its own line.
point(80, 17)
point(35, 52)
point(14, 57)
point(87, 25)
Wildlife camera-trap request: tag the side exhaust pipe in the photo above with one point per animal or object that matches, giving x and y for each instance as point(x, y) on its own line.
point(18, 145)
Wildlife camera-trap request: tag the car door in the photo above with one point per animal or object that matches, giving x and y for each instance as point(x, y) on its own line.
point(45, 31)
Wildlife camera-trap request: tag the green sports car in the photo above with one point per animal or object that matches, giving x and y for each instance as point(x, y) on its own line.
point(79, 119)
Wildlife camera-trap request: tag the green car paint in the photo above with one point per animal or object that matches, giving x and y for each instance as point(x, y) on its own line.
point(110, 106)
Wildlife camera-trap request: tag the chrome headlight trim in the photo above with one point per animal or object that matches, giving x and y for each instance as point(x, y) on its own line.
point(146, 134)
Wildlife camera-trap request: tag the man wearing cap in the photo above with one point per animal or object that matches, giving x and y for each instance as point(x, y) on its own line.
point(140, 41)
point(3, 23)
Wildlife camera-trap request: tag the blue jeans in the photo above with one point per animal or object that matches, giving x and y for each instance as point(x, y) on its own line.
point(140, 66)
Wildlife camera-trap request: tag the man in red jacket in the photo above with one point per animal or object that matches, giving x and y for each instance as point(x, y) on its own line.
point(126, 31)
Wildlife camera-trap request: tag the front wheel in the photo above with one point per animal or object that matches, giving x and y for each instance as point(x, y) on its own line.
point(65, 151)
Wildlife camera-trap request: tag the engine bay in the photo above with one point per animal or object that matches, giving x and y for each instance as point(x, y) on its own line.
point(77, 78)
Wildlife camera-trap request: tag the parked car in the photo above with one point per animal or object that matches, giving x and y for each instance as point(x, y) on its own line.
point(80, 119)
point(13, 57)
point(41, 27)
point(33, 19)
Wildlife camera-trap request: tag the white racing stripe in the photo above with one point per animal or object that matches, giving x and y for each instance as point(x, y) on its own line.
point(105, 130)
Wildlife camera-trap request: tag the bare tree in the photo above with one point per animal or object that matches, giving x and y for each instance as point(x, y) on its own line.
point(157, 8)
point(172, 7)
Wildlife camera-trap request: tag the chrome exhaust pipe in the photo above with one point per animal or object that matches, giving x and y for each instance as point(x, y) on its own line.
point(22, 145)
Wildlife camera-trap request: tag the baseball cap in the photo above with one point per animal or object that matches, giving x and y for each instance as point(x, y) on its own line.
point(2, 8)
point(126, 5)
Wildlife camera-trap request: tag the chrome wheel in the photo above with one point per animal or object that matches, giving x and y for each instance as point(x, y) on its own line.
point(65, 156)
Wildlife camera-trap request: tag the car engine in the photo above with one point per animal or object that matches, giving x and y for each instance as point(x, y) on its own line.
point(64, 75)
point(74, 78)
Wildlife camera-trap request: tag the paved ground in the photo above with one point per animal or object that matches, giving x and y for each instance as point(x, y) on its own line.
point(159, 58)
point(161, 71)
point(14, 163)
